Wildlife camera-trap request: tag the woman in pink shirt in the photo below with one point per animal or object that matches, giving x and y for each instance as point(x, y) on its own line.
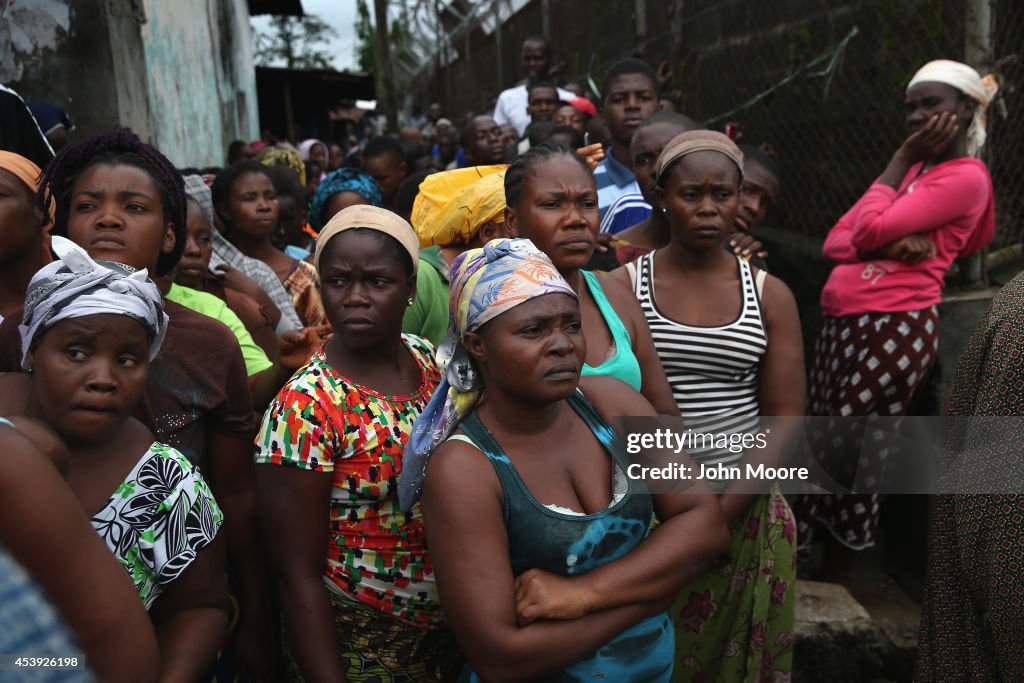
point(879, 339)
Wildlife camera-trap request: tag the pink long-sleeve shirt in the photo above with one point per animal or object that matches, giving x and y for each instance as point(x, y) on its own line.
point(950, 204)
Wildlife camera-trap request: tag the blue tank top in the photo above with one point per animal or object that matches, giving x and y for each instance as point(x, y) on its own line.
point(573, 544)
point(623, 365)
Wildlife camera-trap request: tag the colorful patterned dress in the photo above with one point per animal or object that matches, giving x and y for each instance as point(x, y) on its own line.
point(378, 573)
point(158, 520)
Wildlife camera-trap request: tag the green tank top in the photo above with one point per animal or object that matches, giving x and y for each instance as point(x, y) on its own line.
point(574, 544)
point(623, 365)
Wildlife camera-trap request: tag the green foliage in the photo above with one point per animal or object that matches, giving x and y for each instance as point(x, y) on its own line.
point(399, 40)
point(294, 42)
point(401, 46)
point(366, 39)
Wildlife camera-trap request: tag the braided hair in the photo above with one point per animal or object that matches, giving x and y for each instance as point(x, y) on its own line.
point(515, 176)
point(118, 146)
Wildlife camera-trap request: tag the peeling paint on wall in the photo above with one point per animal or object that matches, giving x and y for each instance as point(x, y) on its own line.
point(179, 72)
point(29, 28)
point(192, 87)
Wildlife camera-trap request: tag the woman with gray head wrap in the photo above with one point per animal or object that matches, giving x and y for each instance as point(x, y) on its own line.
point(75, 286)
point(90, 332)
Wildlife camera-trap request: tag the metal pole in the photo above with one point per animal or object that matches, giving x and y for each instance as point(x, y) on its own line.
point(641, 21)
point(497, 45)
point(978, 53)
point(677, 28)
point(469, 70)
point(442, 68)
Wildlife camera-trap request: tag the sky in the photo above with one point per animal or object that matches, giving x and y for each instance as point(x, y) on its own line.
point(341, 15)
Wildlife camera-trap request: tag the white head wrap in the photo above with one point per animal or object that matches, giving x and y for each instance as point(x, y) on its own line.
point(966, 80)
point(75, 286)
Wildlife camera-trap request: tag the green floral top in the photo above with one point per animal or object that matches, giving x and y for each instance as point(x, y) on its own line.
point(158, 520)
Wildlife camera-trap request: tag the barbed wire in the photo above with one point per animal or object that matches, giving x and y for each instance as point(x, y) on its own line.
point(832, 138)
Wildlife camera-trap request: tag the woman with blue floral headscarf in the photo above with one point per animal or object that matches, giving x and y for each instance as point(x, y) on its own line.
point(539, 541)
point(341, 189)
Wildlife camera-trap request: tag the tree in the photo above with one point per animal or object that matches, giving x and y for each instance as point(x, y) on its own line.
point(366, 40)
point(399, 40)
point(387, 76)
point(298, 42)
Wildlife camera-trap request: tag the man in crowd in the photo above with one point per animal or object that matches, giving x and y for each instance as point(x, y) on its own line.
point(481, 142)
point(630, 96)
point(384, 161)
point(512, 103)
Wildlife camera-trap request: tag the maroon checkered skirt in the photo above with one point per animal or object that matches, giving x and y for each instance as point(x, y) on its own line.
point(864, 365)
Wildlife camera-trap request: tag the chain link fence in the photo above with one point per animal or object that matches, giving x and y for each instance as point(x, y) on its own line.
point(1006, 122)
point(822, 82)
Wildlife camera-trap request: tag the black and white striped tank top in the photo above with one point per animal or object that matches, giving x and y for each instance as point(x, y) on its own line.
point(713, 371)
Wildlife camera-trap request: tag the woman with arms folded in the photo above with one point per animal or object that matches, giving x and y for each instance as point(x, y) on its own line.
point(544, 555)
point(932, 204)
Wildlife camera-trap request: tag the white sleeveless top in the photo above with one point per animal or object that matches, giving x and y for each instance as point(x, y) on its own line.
point(713, 371)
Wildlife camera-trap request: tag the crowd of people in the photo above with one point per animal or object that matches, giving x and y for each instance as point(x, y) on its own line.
point(335, 413)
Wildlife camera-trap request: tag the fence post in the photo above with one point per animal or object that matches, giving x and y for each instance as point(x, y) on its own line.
point(497, 45)
point(978, 34)
point(380, 8)
point(641, 22)
point(977, 53)
point(677, 29)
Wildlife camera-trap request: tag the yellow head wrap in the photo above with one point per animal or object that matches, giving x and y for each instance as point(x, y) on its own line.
point(281, 156)
point(452, 206)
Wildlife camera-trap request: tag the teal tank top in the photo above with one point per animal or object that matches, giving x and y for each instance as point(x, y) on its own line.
point(570, 544)
point(623, 365)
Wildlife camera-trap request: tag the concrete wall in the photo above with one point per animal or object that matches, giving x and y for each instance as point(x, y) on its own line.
point(53, 51)
point(236, 56)
point(129, 74)
point(179, 73)
point(201, 80)
point(28, 31)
